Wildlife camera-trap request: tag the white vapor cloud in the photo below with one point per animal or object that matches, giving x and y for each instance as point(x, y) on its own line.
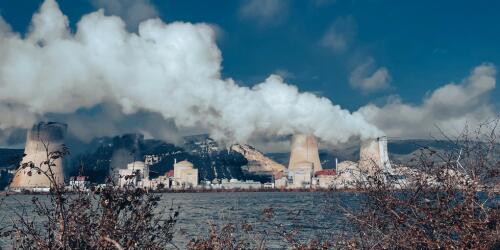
point(4, 26)
point(367, 79)
point(131, 11)
point(264, 12)
point(171, 70)
point(340, 34)
point(449, 107)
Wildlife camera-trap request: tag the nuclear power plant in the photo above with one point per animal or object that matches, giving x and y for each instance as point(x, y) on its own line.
point(42, 138)
point(373, 156)
point(304, 152)
point(304, 169)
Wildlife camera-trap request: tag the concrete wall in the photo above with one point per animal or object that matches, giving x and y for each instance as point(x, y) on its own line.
point(302, 175)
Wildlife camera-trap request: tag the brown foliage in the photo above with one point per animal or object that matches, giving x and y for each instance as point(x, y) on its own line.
point(450, 200)
point(102, 219)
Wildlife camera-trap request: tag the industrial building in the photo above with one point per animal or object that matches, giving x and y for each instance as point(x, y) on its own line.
point(136, 175)
point(80, 183)
point(185, 175)
point(42, 138)
point(325, 178)
point(281, 180)
point(237, 184)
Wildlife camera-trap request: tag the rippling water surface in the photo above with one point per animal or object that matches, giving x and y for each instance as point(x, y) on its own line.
point(314, 214)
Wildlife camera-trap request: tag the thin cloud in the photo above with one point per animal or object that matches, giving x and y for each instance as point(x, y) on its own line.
point(340, 34)
point(367, 79)
point(264, 12)
point(131, 11)
point(285, 74)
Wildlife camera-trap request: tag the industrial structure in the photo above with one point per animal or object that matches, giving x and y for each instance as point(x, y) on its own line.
point(42, 139)
point(78, 183)
point(185, 175)
point(305, 170)
point(304, 150)
point(304, 161)
point(373, 156)
point(136, 174)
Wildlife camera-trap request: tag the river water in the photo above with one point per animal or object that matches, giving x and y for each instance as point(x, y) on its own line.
point(315, 214)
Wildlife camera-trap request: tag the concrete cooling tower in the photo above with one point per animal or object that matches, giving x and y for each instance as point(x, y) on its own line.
point(304, 150)
point(373, 155)
point(52, 135)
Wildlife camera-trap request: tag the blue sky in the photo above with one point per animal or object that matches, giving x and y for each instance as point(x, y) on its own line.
point(423, 44)
point(400, 67)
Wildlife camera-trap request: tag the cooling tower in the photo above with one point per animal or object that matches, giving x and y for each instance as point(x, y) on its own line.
point(373, 155)
point(304, 148)
point(52, 135)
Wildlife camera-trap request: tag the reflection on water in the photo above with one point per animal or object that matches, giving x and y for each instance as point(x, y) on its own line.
point(315, 214)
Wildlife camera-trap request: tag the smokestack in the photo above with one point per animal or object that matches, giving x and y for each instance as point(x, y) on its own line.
point(304, 149)
point(373, 155)
point(51, 134)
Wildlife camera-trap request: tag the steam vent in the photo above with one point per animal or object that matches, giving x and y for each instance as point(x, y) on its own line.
point(304, 151)
point(52, 135)
point(373, 155)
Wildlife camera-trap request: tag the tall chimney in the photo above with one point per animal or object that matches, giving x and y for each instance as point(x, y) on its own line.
point(41, 137)
point(304, 149)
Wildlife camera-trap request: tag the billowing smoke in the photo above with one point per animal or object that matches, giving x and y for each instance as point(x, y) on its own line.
point(169, 69)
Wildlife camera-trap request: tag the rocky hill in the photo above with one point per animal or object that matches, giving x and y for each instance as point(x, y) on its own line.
point(258, 163)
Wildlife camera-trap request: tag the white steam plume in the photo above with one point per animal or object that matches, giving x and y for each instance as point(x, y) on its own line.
point(170, 69)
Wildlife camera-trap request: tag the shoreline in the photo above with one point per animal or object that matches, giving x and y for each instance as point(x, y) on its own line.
point(192, 191)
point(11, 193)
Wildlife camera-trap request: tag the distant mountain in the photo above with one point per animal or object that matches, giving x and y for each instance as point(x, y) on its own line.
point(213, 161)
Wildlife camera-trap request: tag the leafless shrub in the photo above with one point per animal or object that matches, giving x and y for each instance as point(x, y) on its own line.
point(108, 218)
point(447, 201)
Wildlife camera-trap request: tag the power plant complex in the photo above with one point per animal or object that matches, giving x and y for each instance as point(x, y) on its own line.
point(304, 167)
